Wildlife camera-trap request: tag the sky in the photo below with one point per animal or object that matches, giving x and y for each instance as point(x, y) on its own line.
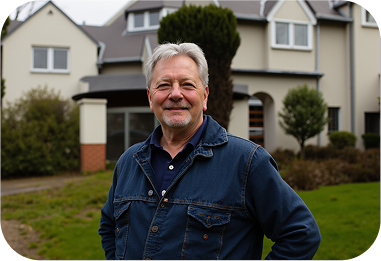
point(92, 12)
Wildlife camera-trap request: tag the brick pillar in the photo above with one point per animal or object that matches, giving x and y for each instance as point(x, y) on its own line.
point(93, 113)
point(93, 157)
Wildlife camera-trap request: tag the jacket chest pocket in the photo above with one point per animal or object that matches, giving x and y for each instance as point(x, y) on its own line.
point(204, 233)
point(121, 227)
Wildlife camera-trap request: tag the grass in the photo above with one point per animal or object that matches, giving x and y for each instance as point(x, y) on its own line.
point(68, 218)
point(348, 216)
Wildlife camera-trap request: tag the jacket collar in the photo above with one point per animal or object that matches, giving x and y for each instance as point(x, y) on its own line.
point(214, 135)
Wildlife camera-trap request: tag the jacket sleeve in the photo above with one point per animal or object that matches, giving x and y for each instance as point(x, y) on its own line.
point(282, 214)
point(107, 224)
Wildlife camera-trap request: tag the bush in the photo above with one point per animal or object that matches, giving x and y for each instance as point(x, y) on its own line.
point(39, 135)
point(350, 165)
point(371, 140)
point(283, 157)
point(303, 175)
point(313, 152)
point(342, 139)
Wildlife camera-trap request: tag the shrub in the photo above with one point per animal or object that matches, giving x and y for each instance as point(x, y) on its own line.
point(303, 175)
point(283, 157)
point(313, 152)
point(39, 135)
point(342, 139)
point(350, 155)
point(334, 172)
point(371, 140)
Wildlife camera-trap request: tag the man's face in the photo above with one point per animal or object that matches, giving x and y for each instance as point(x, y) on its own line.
point(176, 94)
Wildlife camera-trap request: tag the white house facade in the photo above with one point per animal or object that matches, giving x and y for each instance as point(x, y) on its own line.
point(332, 46)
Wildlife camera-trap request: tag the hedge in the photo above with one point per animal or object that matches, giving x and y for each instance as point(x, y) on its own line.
point(39, 135)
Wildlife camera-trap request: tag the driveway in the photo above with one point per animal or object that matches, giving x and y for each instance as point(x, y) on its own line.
point(15, 186)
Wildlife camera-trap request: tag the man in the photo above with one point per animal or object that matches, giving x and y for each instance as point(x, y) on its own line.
point(194, 191)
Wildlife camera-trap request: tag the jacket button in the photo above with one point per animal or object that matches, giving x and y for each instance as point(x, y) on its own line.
point(162, 205)
point(205, 237)
point(154, 229)
point(117, 230)
point(150, 192)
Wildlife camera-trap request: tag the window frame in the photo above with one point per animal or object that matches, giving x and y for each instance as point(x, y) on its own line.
point(146, 18)
point(338, 119)
point(50, 60)
point(291, 35)
point(126, 111)
point(364, 22)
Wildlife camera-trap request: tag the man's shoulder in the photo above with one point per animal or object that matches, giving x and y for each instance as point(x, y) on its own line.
point(241, 142)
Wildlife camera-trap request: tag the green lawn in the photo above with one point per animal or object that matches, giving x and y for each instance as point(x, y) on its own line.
point(348, 216)
point(68, 218)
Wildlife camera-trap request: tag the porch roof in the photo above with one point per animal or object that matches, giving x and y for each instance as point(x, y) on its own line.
point(102, 85)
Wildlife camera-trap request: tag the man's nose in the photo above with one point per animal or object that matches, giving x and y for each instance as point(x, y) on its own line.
point(176, 93)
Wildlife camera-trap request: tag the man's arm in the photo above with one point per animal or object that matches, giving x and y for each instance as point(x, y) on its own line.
point(107, 224)
point(283, 215)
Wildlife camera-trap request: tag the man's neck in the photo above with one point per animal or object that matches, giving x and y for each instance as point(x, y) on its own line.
point(174, 139)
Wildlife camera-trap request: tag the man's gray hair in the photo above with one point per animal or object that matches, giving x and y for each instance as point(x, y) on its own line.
point(169, 50)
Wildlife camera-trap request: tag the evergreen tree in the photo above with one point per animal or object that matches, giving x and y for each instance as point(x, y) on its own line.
point(214, 29)
point(303, 115)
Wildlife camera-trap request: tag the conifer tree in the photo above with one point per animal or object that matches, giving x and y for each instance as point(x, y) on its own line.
point(214, 29)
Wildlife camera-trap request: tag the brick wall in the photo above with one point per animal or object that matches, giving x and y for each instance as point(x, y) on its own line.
point(93, 157)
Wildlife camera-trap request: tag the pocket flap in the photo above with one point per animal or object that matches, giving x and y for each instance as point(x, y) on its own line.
point(209, 217)
point(120, 208)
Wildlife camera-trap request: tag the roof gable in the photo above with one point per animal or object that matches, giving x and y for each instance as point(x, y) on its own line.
point(291, 10)
point(38, 12)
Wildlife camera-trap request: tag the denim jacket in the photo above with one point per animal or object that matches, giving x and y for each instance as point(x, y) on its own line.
point(224, 198)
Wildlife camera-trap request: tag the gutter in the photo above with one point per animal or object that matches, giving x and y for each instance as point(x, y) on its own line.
point(351, 55)
point(317, 69)
point(277, 72)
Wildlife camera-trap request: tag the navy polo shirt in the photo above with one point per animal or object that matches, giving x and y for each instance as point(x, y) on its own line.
point(164, 167)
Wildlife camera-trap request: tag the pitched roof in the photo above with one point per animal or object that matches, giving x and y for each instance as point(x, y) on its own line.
point(14, 25)
point(120, 46)
point(149, 5)
point(326, 11)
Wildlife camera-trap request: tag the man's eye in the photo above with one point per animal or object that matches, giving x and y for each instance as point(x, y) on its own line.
point(163, 85)
point(188, 84)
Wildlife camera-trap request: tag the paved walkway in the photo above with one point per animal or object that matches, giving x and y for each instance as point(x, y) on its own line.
point(15, 186)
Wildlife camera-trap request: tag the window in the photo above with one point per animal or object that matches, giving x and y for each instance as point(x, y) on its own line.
point(367, 19)
point(256, 123)
point(127, 126)
point(143, 21)
point(333, 114)
point(50, 59)
point(148, 20)
point(291, 35)
point(372, 122)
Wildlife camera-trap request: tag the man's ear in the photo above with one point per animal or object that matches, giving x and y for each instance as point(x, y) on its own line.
point(206, 94)
point(149, 99)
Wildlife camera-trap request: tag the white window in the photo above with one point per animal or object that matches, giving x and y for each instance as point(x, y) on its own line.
point(367, 19)
point(148, 20)
point(291, 35)
point(46, 60)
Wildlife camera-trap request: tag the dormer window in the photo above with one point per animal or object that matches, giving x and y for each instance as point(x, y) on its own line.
point(146, 20)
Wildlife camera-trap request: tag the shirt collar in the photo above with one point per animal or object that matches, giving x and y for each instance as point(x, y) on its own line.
point(158, 132)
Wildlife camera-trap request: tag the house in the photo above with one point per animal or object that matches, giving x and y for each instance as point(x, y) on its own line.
point(333, 46)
